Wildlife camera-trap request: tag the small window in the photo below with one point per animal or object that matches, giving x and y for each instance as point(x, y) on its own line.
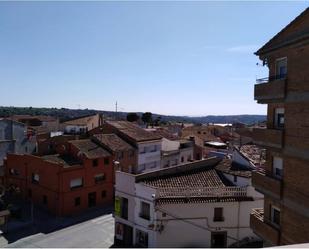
point(14, 172)
point(275, 215)
point(106, 161)
point(218, 214)
point(26, 149)
point(95, 163)
point(142, 167)
point(120, 155)
point(142, 150)
point(281, 68)
point(145, 211)
point(29, 192)
point(131, 153)
point(44, 199)
point(99, 178)
point(76, 183)
point(279, 118)
point(35, 178)
point(235, 178)
point(277, 167)
point(103, 194)
point(182, 159)
point(77, 201)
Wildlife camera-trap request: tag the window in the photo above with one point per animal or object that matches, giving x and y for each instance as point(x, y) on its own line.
point(77, 201)
point(29, 192)
point(95, 163)
point(182, 159)
point(142, 167)
point(124, 208)
point(275, 215)
point(218, 214)
point(76, 183)
point(152, 148)
point(141, 238)
point(106, 161)
point(142, 150)
point(281, 68)
point(235, 178)
point(26, 149)
point(35, 178)
point(277, 167)
point(120, 155)
point(44, 199)
point(99, 178)
point(145, 211)
point(14, 172)
point(103, 194)
point(279, 118)
point(131, 153)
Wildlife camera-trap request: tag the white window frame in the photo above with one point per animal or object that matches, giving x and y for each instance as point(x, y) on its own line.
point(275, 165)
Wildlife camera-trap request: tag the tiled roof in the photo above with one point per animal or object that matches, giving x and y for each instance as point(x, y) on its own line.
point(206, 177)
point(228, 167)
point(253, 153)
point(133, 131)
point(65, 160)
point(165, 133)
point(162, 201)
point(113, 142)
point(80, 120)
point(90, 149)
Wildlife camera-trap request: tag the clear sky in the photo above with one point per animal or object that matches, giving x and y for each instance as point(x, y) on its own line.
point(182, 58)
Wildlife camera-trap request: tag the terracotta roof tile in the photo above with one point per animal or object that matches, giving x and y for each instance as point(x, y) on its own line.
point(228, 167)
point(90, 149)
point(113, 142)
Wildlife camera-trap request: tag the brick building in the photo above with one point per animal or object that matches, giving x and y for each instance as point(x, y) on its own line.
point(79, 177)
point(285, 217)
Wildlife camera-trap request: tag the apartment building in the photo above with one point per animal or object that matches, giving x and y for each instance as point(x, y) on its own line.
point(191, 205)
point(80, 176)
point(124, 154)
point(284, 219)
point(147, 145)
point(83, 124)
point(38, 123)
point(15, 138)
point(176, 152)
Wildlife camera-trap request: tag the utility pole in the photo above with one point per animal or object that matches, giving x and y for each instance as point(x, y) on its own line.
point(116, 116)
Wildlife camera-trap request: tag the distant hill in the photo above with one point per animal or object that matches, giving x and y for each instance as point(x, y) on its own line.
point(65, 114)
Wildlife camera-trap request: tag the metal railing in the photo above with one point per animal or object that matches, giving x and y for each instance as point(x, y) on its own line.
point(258, 213)
point(202, 192)
point(271, 78)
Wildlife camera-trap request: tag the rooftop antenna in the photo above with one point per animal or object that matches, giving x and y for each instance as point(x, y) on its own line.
point(116, 111)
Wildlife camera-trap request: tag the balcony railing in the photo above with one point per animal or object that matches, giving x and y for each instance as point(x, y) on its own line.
point(271, 78)
point(263, 228)
point(202, 192)
point(266, 184)
point(268, 137)
point(270, 89)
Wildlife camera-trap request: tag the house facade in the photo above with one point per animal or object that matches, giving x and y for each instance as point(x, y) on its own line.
point(284, 219)
point(15, 138)
point(80, 176)
point(155, 209)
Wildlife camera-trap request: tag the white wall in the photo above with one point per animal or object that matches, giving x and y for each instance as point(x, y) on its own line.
point(149, 157)
point(241, 181)
point(178, 233)
point(186, 153)
point(238, 158)
point(76, 128)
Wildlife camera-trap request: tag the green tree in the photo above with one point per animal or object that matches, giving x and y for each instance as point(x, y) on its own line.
point(132, 117)
point(147, 118)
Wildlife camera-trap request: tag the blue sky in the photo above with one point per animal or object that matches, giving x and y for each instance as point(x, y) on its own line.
point(182, 58)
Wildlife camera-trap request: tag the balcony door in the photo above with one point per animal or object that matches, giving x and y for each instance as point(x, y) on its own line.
point(281, 68)
point(92, 199)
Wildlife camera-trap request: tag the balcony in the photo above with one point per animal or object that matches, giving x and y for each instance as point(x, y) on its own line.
point(266, 184)
point(263, 228)
point(268, 137)
point(270, 89)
